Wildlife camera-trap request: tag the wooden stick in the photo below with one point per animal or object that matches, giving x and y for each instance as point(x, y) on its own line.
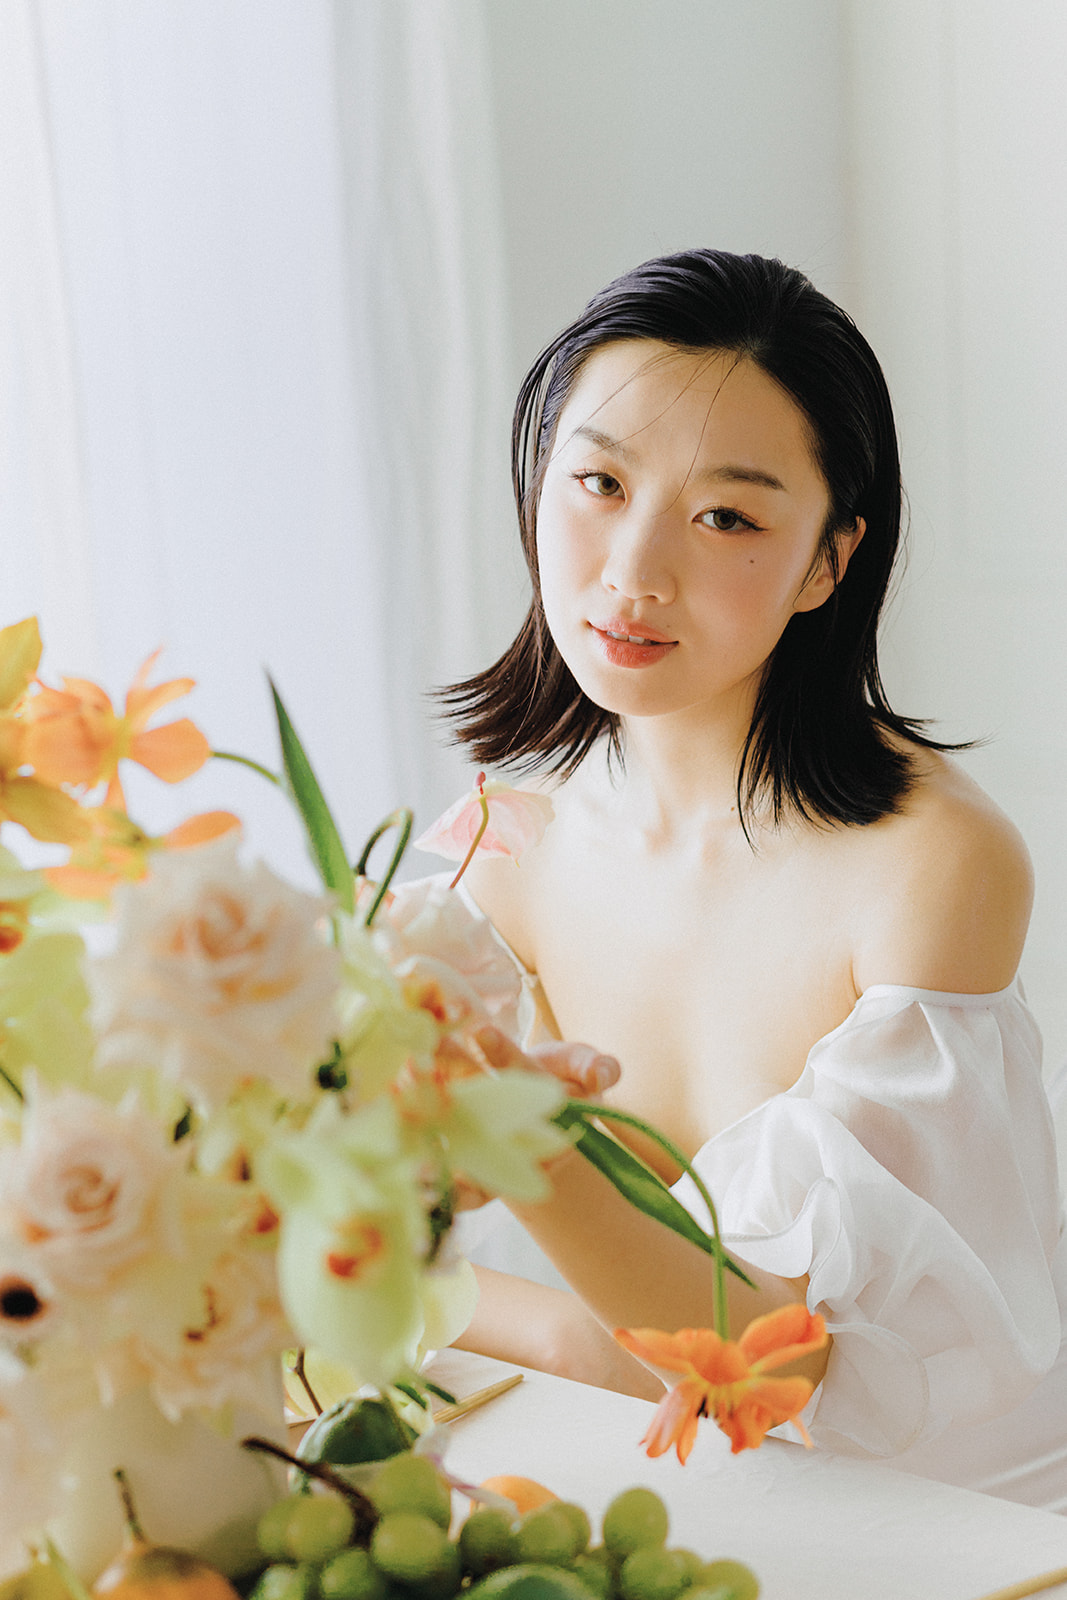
point(480, 1397)
point(1019, 1591)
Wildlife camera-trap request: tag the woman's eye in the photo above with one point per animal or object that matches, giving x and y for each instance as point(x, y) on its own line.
point(599, 483)
point(723, 520)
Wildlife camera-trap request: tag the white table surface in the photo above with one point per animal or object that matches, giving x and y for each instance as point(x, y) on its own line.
point(812, 1526)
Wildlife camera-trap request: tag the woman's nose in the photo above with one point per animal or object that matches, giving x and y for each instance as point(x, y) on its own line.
point(637, 564)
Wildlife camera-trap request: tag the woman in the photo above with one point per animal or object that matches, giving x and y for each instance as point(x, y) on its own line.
point(777, 902)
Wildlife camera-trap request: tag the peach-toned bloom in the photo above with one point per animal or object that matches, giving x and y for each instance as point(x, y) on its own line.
point(216, 1357)
point(118, 851)
point(424, 921)
point(73, 735)
point(517, 821)
point(727, 1379)
point(84, 1192)
point(43, 810)
point(222, 974)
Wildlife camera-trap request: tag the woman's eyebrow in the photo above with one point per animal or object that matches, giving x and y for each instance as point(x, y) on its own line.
point(604, 441)
point(727, 473)
point(738, 474)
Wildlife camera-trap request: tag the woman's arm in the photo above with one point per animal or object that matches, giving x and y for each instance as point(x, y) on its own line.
point(550, 1330)
point(633, 1272)
point(629, 1270)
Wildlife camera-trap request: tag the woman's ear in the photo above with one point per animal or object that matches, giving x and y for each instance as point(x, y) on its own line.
point(822, 581)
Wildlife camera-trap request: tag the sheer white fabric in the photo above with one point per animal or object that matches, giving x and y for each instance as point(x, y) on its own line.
point(911, 1174)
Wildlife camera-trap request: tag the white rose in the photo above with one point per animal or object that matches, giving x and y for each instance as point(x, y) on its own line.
point(87, 1190)
point(222, 973)
point(433, 924)
point(217, 1357)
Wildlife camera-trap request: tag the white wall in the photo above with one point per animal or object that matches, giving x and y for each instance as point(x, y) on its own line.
point(960, 228)
point(627, 130)
point(910, 157)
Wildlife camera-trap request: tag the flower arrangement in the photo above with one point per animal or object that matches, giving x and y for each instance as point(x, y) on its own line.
point(245, 1123)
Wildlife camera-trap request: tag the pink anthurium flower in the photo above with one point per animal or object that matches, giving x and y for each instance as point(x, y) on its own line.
point(494, 817)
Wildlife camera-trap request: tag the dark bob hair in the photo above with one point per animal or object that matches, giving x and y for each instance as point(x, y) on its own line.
point(819, 740)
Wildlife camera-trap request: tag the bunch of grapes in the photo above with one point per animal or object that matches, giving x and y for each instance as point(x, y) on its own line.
point(318, 1549)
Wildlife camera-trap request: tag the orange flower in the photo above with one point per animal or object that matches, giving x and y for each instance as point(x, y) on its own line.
point(118, 851)
point(44, 811)
point(73, 735)
point(725, 1378)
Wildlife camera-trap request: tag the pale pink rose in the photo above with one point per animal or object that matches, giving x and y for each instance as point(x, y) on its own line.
point(216, 1357)
point(435, 931)
point(87, 1190)
point(517, 820)
point(222, 974)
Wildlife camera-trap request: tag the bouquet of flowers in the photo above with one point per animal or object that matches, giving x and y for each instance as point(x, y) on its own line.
point(242, 1121)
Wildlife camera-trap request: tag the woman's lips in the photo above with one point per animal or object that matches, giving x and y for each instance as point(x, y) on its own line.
point(631, 644)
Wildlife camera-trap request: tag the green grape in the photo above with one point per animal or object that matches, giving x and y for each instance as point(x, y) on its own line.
point(596, 1575)
point(548, 1535)
point(583, 1532)
point(635, 1518)
point(410, 1547)
point(319, 1526)
point(486, 1541)
point(285, 1581)
point(446, 1580)
point(412, 1483)
point(693, 1564)
point(653, 1573)
point(352, 1575)
point(725, 1580)
point(529, 1581)
point(272, 1526)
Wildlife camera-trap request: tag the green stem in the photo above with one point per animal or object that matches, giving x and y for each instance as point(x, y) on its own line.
point(12, 1085)
point(300, 1373)
point(476, 841)
point(74, 1585)
point(628, 1120)
point(128, 1507)
point(246, 761)
point(401, 820)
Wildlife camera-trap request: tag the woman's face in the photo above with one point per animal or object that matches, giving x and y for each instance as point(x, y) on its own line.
point(678, 529)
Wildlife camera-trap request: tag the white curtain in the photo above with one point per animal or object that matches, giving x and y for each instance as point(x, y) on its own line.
point(252, 342)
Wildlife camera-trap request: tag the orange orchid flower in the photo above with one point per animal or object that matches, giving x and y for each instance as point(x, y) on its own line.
point(726, 1378)
point(43, 810)
point(118, 851)
point(74, 735)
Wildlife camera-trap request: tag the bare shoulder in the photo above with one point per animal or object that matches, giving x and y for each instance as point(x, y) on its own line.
point(947, 889)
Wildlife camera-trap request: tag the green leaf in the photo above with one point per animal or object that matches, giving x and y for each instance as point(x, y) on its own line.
point(323, 837)
point(637, 1183)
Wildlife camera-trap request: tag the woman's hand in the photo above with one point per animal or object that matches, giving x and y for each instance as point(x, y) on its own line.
point(583, 1071)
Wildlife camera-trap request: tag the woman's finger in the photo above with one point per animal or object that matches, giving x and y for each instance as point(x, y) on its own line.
point(588, 1070)
point(582, 1068)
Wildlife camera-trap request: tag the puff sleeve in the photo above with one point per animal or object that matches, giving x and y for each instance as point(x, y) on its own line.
point(910, 1174)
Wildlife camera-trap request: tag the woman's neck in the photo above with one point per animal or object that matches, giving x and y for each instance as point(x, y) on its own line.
point(680, 780)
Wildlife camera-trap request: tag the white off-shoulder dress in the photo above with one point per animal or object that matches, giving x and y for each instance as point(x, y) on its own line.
point(911, 1175)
